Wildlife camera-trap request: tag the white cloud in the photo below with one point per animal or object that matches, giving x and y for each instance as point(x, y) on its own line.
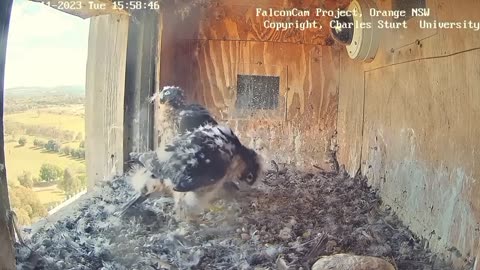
point(45, 47)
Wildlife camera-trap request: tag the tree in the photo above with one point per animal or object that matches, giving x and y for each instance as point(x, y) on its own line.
point(65, 150)
point(22, 141)
point(41, 143)
point(26, 205)
point(81, 153)
point(35, 180)
point(78, 153)
point(82, 179)
point(70, 184)
point(22, 216)
point(79, 137)
point(50, 172)
point(73, 152)
point(82, 144)
point(25, 179)
point(49, 145)
point(53, 145)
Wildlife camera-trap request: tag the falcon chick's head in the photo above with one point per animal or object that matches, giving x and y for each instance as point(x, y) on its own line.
point(253, 165)
point(172, 95)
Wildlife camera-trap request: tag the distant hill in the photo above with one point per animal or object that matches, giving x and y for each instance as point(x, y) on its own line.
point(68, 90)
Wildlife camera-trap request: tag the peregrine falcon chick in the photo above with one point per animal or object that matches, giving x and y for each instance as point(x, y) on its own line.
point(177, 117)
point(197, 165)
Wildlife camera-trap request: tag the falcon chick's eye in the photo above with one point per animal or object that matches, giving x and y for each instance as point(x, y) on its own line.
point(250, 177)
point(167, 93)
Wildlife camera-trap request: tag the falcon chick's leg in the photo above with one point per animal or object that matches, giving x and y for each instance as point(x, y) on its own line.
point(187, 206)
point(190, 205)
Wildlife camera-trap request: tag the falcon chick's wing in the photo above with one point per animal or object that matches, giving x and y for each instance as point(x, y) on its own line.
point(204, 157)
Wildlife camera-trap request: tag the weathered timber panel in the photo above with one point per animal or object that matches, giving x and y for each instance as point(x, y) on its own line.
point(140, 81)
point(105, 87)
point(305, 119)
point(420, 146)
point(7, 253)
point(205, 47)
point(350, 114)
point(420, 131)
point(238, 21)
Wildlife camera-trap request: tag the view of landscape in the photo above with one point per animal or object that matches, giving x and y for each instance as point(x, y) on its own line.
point(44, 108)
point(44, 138)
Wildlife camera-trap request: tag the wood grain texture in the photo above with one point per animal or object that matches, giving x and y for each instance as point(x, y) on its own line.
point(238, 21)
point(158, 69)
point(140, 82)
point(420, 143)
point(350, 113)
point(414, 43)
point(207, 68)
point(105, 86)
point(306, 116)
point(7, 253)
point(420, 140)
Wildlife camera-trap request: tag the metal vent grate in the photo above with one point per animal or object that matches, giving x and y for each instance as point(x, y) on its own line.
point(257, 92)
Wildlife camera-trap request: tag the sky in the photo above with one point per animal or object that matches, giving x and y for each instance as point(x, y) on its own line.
point(45, 47)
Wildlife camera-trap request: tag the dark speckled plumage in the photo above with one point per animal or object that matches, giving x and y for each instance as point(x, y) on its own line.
point(201, 158)
point(185, 117)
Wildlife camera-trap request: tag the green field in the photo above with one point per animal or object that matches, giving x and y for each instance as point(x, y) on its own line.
point(67, 118)
point(30, 158)
point(50, 194)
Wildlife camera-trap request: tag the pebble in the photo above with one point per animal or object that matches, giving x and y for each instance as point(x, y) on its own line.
point(245, 236)
point(330, 246)
point(291, 223)
point(285, 233)
point(281, 264)
point(351, 262)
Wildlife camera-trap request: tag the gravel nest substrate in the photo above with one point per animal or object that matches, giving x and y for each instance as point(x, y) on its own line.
point(290, 218)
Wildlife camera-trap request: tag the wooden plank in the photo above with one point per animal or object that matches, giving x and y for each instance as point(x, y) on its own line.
point(158, 69)
point(105, 88)
point(84, 8)
point(308, 94)
point(350, 113)
point(140, 81)
point(7, 254)
point(415, 43)
point(420, 147)
point(234, 21)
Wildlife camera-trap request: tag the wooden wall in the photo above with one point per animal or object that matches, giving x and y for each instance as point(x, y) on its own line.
point(105, 87)
point(409, 121)
point(140, 81)
point(206, 51)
